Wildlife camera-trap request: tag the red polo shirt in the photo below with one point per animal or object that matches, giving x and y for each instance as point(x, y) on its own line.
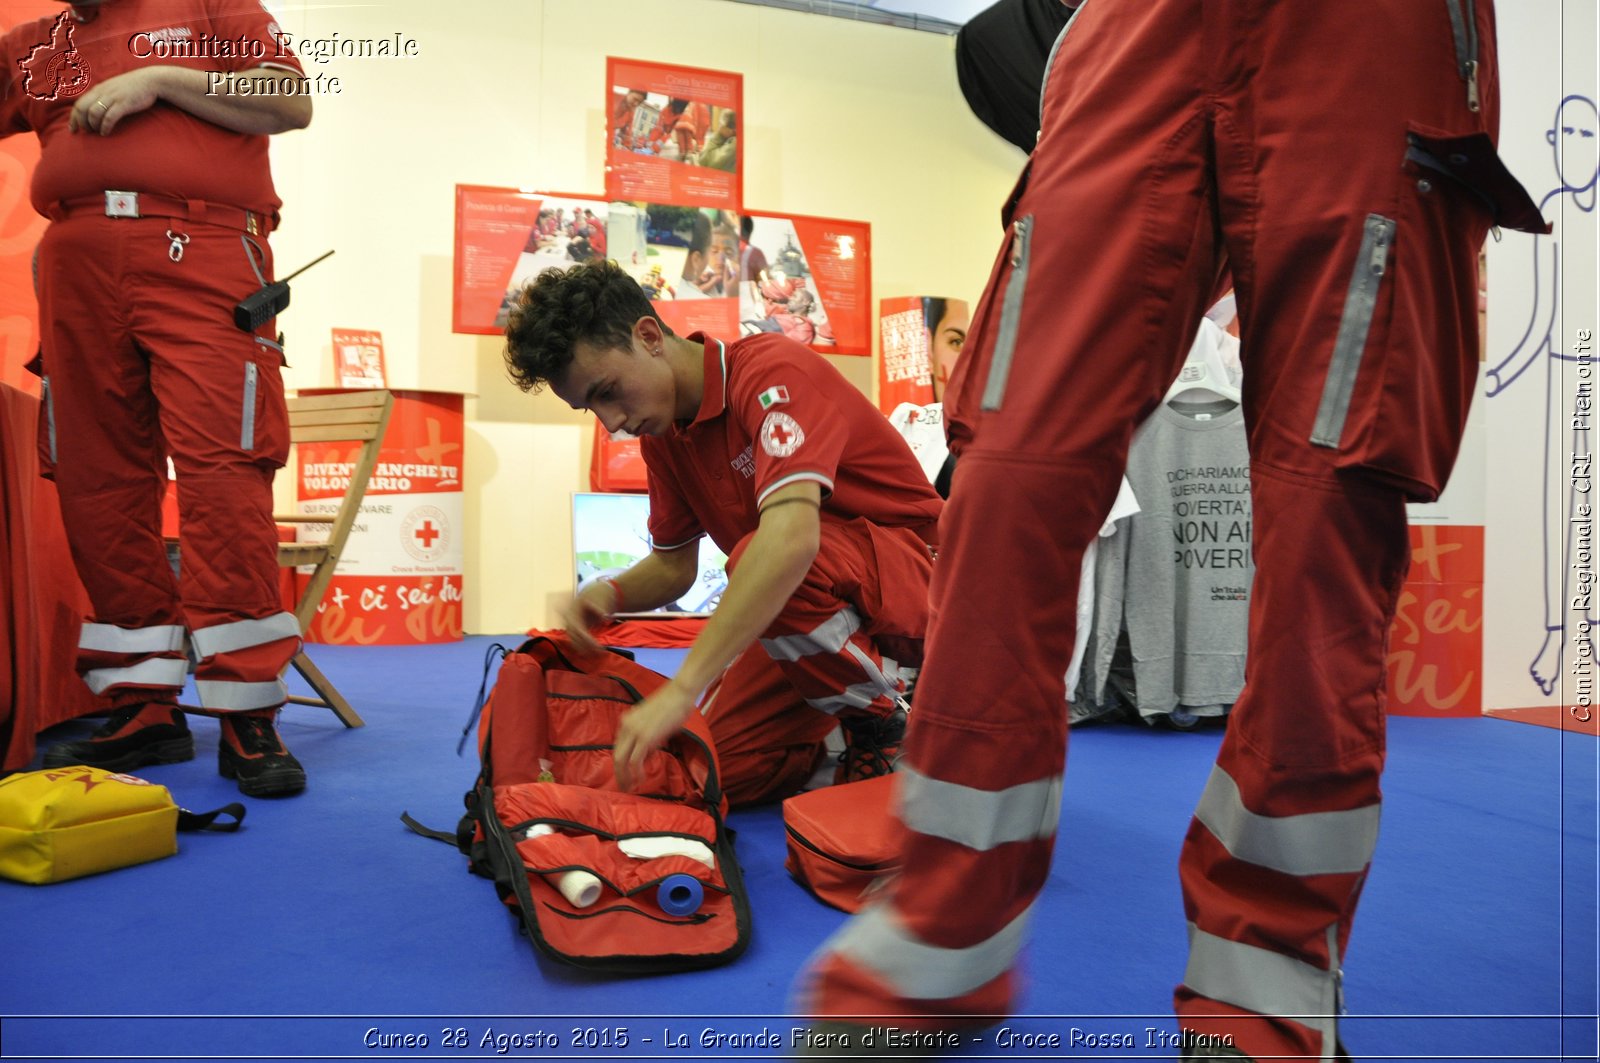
point(776, 413)
point(163, 150)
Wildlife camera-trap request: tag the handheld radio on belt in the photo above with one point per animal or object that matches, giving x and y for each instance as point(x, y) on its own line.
point(265, 304)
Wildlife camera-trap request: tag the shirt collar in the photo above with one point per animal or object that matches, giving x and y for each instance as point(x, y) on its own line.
point(714, 396)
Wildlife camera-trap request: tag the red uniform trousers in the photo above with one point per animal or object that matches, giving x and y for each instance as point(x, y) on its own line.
point(845, 644)
point(1323, 152)
point(143, 362)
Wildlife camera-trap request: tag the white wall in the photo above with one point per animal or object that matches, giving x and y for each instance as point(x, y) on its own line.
point(1547, 53)
point(840, 119)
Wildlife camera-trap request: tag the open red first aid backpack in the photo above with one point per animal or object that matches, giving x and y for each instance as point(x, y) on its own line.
point(609, 881)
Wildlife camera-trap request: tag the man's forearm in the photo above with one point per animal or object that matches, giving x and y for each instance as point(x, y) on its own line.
point(772, 567)
point(654, 581)
point(224, 99)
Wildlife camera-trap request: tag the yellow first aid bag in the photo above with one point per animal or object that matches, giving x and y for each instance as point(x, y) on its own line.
point(64, 823)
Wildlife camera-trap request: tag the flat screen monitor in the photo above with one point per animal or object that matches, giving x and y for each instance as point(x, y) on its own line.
point(612, 531)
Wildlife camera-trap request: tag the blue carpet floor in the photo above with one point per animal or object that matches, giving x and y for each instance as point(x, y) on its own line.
point(325, 930)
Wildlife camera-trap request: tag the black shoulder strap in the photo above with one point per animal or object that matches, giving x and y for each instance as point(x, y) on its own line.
point(448, 837)
point(206, 820)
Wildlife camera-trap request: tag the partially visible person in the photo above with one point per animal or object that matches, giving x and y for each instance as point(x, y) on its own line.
point(696, 258)
point(154, 174)
point(827, 522)
point(1340, 160)
point(624, 108)
point(720, 279)
point(679, 129)
point(721, 149)
point(752, 263)
point(947, 321)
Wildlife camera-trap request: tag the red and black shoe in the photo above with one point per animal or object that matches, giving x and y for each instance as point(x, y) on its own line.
point(871, 745)
point(251, 752)
point(135, 735)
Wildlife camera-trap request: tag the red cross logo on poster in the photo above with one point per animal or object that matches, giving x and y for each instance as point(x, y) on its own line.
point(781, 435)
point(425, 533)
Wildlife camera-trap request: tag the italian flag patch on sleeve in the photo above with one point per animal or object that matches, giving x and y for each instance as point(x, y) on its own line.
point(773, 397)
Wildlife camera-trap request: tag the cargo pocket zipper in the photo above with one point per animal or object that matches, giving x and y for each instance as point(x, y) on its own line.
point(1464, 27)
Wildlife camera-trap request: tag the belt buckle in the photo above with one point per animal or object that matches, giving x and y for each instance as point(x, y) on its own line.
point(252, 224)
point(122, 204)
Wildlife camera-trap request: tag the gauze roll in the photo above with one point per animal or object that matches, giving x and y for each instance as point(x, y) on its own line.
point(654, 848)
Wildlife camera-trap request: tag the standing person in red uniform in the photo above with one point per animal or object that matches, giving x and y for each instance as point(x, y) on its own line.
point(154, 174)
point(761, 444)
point(1339, 158)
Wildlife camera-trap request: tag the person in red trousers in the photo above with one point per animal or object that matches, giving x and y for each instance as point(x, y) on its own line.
point(154, 175)
point(1339, 159)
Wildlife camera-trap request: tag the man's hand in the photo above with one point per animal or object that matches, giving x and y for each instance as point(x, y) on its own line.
point(115, 99)
point(646, 727)
point(591, 607)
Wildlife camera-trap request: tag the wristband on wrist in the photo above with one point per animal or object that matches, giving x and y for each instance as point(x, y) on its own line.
point(616, 593)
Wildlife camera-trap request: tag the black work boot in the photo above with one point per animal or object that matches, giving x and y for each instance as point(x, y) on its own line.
point(135, 735)
point(871, 745)
point(251, 752)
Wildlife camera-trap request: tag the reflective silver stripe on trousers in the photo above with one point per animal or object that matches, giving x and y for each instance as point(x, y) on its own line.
point(156, 672)
point(223, 694)
point(829, 636)
point(49, 417)
point(874, 939)
point(1350, 344)
point(979, 819)
point(1263, 982)
point(242, 634)
point(1005, 344)
point(1315, 843)
point(109, 638)
point(247, 425)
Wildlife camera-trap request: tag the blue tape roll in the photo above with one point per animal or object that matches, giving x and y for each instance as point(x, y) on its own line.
point(680, 895)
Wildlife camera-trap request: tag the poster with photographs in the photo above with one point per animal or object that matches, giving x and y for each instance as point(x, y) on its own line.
point(673, 134)
point(506, 237)
point(809, 278)
point(358, 358)
point(687, 261)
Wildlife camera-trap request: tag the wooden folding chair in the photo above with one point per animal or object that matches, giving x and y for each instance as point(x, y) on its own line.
point(349, 416)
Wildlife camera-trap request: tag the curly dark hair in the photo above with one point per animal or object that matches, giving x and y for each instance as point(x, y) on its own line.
point(596, 301)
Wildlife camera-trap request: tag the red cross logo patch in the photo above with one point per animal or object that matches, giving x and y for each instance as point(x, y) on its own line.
point(781, 435)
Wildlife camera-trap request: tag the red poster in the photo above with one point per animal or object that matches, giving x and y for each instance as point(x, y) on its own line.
point(904, 363)
point(493, 226)
point(1435, 659)
point(687, 261)
point(673, 134)
point(358, 358)
point(506, 236)
point(809, 278)
point(919, 339)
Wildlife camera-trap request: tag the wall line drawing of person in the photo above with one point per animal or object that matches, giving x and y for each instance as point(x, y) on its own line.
point(1572, 137)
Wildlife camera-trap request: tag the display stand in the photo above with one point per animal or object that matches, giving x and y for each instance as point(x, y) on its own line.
point(399, 581)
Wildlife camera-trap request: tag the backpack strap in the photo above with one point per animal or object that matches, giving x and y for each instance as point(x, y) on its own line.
point(206, 820)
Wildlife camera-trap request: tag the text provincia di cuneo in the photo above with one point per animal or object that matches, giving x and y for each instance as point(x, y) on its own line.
point(179, 43)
